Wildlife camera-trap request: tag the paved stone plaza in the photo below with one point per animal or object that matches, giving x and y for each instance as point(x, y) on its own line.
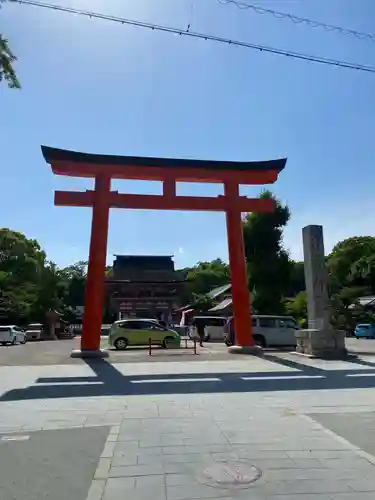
point(279, 428)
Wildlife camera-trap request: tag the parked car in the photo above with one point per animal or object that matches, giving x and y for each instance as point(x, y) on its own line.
point(268, 331)
point(105, 329)
point(137, 332)
point(213, 327)
point(365, 331)
point(66, 333)
point(183, 331)
point(11, 334)
point(34, 331)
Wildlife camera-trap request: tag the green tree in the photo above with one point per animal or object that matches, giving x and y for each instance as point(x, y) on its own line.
point(201, 303)
point(52, 291)
point(75, 277)
point(351, 270)
point(296, 282)
point(204, 277)
point(16, 303)
point(297, 307)
point(352, 264)
point(346, 309)
point(269, 266)
point(22, 259)
point(7, 59)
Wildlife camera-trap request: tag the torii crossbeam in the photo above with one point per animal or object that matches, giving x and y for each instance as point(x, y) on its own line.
point(169, 171)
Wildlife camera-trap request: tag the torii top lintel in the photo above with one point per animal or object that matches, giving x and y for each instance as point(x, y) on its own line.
point(74, 164)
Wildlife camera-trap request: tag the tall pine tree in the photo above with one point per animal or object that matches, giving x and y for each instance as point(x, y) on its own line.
point(268, 263)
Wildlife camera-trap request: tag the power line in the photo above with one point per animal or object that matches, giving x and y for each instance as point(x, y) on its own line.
point(203, 36)
point(298, 20)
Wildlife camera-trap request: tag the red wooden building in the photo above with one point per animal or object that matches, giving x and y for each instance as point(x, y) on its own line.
point(144, 286)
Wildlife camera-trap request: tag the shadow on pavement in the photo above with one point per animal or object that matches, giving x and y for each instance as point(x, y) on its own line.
point(360, 352)
point(108, 381)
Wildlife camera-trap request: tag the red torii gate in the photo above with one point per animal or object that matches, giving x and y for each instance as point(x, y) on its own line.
point(169, 171)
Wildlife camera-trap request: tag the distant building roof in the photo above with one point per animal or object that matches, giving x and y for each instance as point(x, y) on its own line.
point(145, 256)
point(367, 301)
point(144, 262)
point(218, 291)
point(223, 305)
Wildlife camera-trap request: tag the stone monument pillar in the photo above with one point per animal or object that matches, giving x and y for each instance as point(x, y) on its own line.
point(315, 278)
point(320, 339)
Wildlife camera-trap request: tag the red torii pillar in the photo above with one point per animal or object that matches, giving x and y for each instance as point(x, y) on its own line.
point(94, 296)
point(170, 171)
point(238, 271)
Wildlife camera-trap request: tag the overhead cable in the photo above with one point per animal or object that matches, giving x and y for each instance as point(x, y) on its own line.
point(298, 20)
point(203, 36)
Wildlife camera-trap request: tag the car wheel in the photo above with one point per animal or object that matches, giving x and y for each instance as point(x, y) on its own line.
point(24, 341)
point(3, 343)
point(206, 338)
point(121, 343)
point(260, 341)
point(166, 341)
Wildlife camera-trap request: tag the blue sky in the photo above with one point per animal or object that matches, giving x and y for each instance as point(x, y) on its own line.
point(99, 87)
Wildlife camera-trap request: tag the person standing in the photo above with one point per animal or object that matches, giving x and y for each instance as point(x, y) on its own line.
point(229, 334)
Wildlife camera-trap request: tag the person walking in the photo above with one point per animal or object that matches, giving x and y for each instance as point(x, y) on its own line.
point(199, 325)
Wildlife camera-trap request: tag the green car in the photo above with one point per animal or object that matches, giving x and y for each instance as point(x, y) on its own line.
point(138, 332)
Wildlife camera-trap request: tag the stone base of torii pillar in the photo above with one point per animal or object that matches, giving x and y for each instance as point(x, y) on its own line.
point(253, 350)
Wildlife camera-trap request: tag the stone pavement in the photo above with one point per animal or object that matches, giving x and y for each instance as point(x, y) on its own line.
point(58, 352)
point(278, 428)
point(44, 464)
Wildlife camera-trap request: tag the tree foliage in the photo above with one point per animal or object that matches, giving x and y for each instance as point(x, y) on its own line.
point(352, 263)
point(75, 276)
point(7, 59)
point(201, 302)
point(31, 285)
point(297, 307)
point(351, 270)
point(204, 277)
point(21, 266)
point(296, 282)
point(269, 266)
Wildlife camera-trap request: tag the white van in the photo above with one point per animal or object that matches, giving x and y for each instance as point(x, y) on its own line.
point(34, 331)
point(213, 326)
point(269, 331)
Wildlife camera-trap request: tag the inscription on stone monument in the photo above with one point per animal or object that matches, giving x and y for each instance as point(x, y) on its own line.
point(316, 278)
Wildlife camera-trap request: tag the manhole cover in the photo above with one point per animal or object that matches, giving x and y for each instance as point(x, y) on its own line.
point(230, 475)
